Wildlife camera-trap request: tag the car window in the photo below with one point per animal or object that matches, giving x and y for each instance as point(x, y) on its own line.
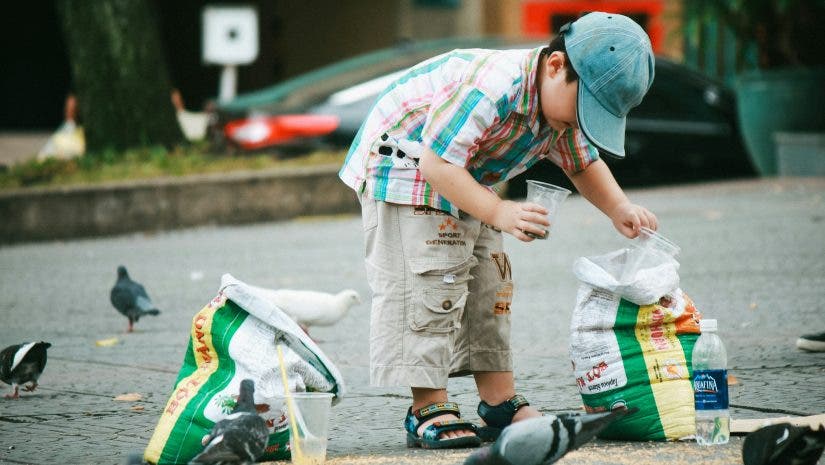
point(680, 94)
point(314, 87)
point(365, 90)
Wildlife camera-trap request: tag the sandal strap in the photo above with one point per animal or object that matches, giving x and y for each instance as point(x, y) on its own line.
point(438, 408)
point(501, 415)
point(434, 429)
point(415, 418)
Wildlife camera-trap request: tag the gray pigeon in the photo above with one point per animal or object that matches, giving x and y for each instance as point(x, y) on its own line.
point(23, 363)
point(239, 438)
point(135, 458)
point(130, 298)
point(544, 440)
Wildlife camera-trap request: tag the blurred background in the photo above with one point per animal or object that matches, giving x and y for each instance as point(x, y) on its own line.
point(295, 36)
point(125, 70)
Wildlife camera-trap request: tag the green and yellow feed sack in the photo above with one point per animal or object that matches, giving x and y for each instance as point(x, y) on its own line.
point(632, 355)
point(235, 337)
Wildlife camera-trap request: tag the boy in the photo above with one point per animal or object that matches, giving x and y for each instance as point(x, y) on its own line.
point(422, 165)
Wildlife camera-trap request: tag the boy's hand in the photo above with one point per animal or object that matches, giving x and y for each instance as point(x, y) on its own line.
point(519, 218)
point(629, 218)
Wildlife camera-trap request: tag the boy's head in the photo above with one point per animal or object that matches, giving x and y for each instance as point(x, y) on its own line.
point(612, 59)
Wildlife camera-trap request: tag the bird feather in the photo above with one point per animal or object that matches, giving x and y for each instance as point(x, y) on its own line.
point(20, 354)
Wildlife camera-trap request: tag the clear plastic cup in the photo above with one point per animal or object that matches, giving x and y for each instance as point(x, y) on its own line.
point(310, 412)
point(549, 197)
point(648, 250)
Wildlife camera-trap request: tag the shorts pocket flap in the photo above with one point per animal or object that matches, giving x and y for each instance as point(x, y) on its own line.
point(423, 266)
point(444, 300)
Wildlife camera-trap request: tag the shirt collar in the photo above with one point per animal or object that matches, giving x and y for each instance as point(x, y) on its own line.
point(528, 100)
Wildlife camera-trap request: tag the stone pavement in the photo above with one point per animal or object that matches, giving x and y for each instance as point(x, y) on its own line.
point(753, 256)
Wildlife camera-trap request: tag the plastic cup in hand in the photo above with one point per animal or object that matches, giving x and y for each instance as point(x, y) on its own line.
point(549, 197)
point(648, 250)
point(308, 435)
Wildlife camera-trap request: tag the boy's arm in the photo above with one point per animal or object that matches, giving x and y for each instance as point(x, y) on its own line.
point(597, 184)
point(457, 185)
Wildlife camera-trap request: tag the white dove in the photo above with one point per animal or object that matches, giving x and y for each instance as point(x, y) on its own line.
point(311, 308)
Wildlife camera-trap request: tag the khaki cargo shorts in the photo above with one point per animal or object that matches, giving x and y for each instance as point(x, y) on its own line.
point(442, 289)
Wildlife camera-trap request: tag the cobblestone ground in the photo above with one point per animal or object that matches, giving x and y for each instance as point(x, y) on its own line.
point(753, 256)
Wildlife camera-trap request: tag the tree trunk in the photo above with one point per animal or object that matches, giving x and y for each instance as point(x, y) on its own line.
point(119, 74)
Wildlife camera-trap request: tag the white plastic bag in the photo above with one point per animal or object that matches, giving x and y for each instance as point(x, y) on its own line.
point(644, 287)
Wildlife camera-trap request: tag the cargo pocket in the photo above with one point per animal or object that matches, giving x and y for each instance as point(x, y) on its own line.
point(439, 294)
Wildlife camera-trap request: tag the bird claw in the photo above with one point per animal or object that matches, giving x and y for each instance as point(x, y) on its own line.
point(30, 388)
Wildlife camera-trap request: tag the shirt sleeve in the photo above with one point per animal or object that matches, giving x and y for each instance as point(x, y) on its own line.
point(459, 117)
point(572, 152)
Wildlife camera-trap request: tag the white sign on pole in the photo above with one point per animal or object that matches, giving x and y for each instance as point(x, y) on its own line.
point(230, 38)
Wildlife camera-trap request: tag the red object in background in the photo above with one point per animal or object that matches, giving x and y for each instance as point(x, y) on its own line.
point(266, 131)
point(543, 18)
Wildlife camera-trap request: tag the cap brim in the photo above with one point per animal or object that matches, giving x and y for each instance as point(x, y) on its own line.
point(602, 128)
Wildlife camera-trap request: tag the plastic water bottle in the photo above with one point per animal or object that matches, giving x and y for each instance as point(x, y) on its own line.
point(710, 386)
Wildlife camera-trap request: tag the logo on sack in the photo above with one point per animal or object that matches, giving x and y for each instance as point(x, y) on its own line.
point(226, 403)
point(705, 383)
point(657, 330)
point(620, 403)
point(200, 345)
point(591, 380)
point(183, 392)
point(673, 369)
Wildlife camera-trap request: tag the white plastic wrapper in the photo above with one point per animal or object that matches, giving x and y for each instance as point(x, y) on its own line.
point(644, 287)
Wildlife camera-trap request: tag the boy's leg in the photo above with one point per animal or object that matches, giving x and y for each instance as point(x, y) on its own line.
point(423, 397)
point(483, 341)
point(418, 263)
point(483, 344)
point(495, 387)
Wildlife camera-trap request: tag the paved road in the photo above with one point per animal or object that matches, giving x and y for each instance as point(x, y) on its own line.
point(16, 147)
point(753, 256)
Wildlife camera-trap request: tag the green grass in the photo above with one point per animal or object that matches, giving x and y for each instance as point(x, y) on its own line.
point(147, 163)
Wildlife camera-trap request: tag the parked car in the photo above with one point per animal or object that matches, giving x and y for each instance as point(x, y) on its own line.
point(684, 130)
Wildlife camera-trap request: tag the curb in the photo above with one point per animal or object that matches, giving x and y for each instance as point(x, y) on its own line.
point(169, 203)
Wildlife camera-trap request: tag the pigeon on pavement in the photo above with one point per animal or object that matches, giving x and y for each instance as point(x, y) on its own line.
point(240, 437)
point(135, 458)
point(544, 440)
point(23, 363)
point(784, 444)
point(311, 308)
point(130, 298)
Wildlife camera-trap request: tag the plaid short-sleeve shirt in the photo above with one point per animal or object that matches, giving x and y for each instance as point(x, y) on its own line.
point(476, 108)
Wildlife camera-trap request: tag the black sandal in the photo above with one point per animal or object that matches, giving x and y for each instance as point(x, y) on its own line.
point(429, 438)
point(498, 417)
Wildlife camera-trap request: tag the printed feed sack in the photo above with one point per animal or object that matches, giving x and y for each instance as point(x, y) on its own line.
point(635, 354)
point(235, 337)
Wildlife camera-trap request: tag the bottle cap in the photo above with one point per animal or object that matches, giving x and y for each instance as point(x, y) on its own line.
point(707, 325)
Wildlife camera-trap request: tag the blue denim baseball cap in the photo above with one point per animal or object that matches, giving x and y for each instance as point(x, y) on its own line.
point(614, 60)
